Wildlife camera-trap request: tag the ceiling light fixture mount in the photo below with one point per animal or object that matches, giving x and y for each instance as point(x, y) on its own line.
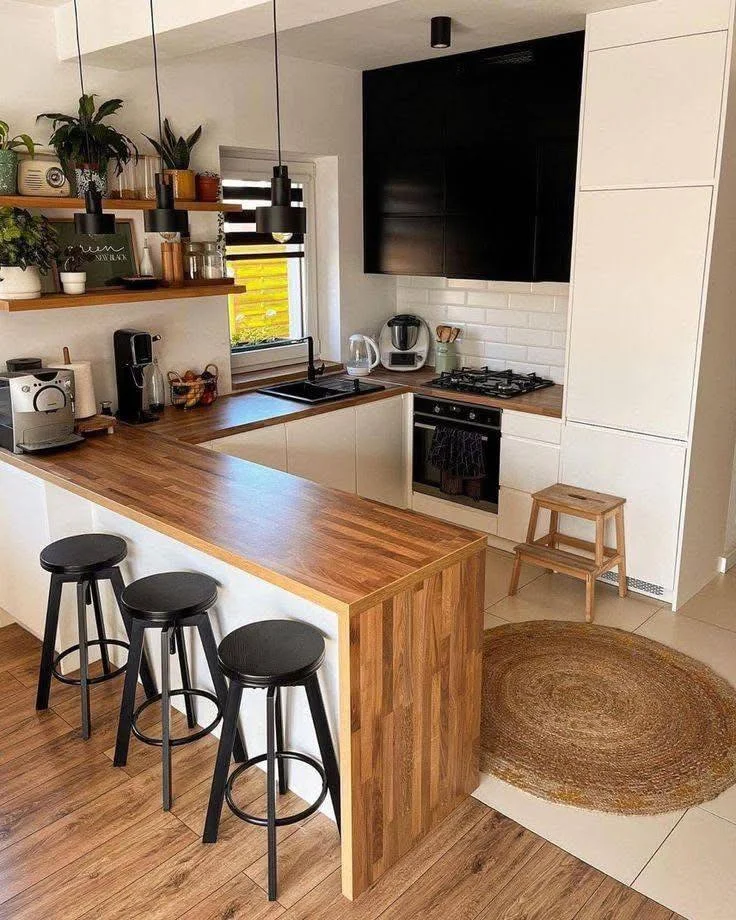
point(441, 32)
point(164, 218)
point(93, 221)
point(280, 219)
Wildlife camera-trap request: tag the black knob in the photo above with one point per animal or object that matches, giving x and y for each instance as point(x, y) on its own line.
point(356, 385)
point(472, 416)
point(436, 410)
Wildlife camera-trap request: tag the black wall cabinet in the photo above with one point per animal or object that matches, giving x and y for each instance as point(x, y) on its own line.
point(469, 163)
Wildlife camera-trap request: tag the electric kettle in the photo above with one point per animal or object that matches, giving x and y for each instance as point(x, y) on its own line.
point(363, 355)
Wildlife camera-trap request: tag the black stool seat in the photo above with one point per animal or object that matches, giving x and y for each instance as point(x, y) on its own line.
point(170, 596)
point(272, 652)
point(83, 554)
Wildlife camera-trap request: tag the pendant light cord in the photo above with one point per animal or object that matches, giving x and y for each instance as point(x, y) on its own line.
point(276, 68)
point(155, 74)
point(81, 76)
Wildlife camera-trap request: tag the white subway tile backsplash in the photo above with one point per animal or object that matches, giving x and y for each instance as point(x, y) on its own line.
point(505, 324)
point(536, 303)
point(490, 299)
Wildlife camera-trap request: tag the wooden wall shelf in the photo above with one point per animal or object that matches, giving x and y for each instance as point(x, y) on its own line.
point(120, 295)
point(110, 204)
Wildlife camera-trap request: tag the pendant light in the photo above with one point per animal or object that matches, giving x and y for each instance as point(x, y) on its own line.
point(93, 222)
point(279, 218)
point(441, 32)
point(164, 218)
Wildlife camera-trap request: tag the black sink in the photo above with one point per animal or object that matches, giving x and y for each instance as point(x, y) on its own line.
point(328, 390)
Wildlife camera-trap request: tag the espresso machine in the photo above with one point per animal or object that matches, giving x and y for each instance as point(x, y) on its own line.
point(133, 353)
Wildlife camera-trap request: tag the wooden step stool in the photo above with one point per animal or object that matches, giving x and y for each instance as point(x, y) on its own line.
point(544, 551)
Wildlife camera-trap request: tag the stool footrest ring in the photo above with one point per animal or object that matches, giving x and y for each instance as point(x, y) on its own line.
point(101, 678)
point(185, 739)
point(289, 819)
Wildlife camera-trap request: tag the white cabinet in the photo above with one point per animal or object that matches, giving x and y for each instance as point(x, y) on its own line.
point(647, 22)
point(639, 269)
point(322, 448)
point(382, 471)
point(533, 427)
point(648, 473)
point(514, 508)
point(528, 466)
point(266, 446)
point(652, 112)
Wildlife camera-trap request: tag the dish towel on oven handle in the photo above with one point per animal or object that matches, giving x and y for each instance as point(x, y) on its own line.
point(460, 456)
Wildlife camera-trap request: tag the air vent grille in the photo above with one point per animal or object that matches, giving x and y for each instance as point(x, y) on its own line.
point(636, 584)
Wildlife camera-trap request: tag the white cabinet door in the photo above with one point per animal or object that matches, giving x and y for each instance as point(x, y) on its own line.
point(647, 22)
point(513, 514)
point(639, 269)
point(533, 427)
point(653, 112)
point(648, 473)
point(382, 469)
point(528, 466)
point(266, 446)
point(322, 448)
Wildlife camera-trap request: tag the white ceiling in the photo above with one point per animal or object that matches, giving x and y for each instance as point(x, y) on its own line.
point(399, 31)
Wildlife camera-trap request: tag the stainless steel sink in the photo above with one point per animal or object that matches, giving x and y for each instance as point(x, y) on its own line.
point(327, 390)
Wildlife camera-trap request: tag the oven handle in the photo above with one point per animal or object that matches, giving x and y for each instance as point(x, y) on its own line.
point(463, 423)
point(426, 427)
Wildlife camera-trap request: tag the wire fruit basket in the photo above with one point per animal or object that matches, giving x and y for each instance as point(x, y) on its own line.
point(191, 389)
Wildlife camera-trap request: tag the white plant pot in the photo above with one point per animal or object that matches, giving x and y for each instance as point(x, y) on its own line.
point(73, 282)
point(19, 283)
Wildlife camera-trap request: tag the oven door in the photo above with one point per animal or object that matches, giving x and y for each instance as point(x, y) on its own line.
point(428, 478)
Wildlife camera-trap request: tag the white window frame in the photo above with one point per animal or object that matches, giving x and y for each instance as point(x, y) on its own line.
point(252, 166)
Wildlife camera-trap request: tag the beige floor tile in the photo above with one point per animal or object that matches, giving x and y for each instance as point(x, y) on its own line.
point(715, 604)
point(559, 597)
point(619, 845)
point(490, 621)
point(498, 575)
point(710, 644)
point(693, 871)
point(724, 806)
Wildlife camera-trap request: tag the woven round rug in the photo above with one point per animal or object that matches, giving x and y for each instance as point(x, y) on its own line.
point(604, 719)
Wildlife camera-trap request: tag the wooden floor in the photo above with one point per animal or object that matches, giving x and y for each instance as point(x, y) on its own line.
point(82, 839)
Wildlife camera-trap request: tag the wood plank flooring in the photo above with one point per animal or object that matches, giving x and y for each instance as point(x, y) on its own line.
point(82, 839)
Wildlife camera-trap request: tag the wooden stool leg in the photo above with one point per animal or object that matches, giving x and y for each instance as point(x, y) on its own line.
point(589, 597)
point(554, 523)
point(533, 519)
point(623, 587)
point(515, 575)
point(600, 539)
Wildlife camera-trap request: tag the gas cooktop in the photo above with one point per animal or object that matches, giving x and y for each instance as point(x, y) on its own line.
point(485, 382)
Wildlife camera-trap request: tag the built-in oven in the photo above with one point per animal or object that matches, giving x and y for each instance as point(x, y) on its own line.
point(427, 478)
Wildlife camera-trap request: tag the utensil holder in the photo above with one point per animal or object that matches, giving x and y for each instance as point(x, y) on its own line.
point(445, 357)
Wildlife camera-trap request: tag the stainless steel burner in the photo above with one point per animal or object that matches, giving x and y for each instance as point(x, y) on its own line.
point(485, 382)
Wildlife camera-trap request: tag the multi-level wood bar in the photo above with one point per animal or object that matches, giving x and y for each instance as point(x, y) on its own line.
point(399, 596)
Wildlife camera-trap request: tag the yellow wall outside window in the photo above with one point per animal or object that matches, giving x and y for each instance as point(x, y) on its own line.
point(262, 313)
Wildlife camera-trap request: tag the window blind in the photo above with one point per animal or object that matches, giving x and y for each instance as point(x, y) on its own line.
point(240, 227)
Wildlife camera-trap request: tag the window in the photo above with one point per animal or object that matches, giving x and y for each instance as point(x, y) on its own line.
point(279, 305)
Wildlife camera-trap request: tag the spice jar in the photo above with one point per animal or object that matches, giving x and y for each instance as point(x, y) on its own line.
point(212, 261)
point(194, 261)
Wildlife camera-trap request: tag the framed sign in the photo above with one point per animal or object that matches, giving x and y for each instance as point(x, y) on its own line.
point(115, 253)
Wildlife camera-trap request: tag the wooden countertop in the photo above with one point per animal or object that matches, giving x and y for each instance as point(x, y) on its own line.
point(547, 402)
point(340, 551)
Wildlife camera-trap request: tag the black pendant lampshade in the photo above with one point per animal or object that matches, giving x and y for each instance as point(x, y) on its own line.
point(441, 32)
point(279, 218)
point(164, 218)
point(93, 221)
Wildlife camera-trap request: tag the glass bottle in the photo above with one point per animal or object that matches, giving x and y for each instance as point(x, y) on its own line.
point(156, 389)
point(146, 267)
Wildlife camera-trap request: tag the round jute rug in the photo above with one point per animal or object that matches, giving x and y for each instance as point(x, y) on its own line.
point(604, 719)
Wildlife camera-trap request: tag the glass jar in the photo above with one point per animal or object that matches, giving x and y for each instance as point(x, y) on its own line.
point(148, 166)
point(212, 268)
point(194, 261)
point(124, 185)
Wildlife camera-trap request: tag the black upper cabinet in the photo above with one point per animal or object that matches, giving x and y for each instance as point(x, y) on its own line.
point(470, 160)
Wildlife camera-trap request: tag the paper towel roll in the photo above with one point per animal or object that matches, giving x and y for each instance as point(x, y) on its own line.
point(85, 404)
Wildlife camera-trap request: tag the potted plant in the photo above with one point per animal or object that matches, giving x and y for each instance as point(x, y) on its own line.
point(9, 158)
point(86, 146)
point(27, 245)
point(176, 153)
point(72, 275)
point(208, 186)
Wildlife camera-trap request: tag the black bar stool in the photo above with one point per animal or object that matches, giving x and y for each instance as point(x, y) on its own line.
point(270, 655)
point(169, 602)
point(84, 560)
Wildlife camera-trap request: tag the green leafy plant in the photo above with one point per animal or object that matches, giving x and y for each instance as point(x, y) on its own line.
point(176, 152)
point(85, 140)
point(11, 143)
point(74, 258)
point(26, 240)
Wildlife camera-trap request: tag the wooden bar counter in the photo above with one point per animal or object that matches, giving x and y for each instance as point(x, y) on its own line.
point(403, 594)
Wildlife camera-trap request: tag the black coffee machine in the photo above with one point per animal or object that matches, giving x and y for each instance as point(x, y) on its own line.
point(133, 353)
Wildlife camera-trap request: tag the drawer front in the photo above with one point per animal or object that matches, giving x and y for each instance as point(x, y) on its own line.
point(514, 509)
point(533, 427)
point(528, 466)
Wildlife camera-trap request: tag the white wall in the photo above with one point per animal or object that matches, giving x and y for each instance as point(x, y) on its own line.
point(505, 324)
point(230, 91)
